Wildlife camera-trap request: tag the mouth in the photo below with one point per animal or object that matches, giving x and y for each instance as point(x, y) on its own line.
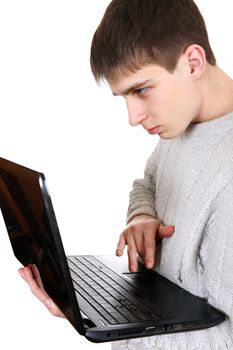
point(153, 131)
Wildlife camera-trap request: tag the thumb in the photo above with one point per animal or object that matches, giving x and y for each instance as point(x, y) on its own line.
point(166, 231)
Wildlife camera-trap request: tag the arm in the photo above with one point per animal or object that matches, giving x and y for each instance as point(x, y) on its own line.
point(143, 228)
point(142, 196)
point(216, 253)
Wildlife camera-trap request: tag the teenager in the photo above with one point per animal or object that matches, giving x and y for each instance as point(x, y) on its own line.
point(157, 56)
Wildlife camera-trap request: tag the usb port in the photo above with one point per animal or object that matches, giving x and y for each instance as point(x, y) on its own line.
point(177, 327)
point(150, 329)
point(189, 325)
point(156, 329)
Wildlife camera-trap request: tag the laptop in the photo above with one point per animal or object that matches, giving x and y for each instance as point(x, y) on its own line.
point(98, 295)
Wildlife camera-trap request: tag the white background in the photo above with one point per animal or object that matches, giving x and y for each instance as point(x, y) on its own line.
point(55, 119)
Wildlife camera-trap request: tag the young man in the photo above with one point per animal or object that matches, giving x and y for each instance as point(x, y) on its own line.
point(156, 54)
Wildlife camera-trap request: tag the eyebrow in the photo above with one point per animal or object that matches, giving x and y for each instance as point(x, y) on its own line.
point(131, 88)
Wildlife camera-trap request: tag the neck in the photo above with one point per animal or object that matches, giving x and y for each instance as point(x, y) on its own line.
point(217, 94)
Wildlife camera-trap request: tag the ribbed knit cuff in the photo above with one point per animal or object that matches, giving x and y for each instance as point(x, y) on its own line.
point(140, 211)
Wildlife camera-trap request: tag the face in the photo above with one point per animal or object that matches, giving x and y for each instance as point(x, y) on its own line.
point(161, 102)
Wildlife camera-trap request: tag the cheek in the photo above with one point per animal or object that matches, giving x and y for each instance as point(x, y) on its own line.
point(174, 103)
point(184, 101)
point(170, 96)
point(178, 94)
point(177, 109)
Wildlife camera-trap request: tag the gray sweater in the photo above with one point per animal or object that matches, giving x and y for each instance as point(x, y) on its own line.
point(188, 183)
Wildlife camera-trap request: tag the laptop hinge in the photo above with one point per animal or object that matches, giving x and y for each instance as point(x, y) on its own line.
point(87, 323)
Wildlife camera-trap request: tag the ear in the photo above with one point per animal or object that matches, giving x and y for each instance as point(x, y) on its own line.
point(196, 58)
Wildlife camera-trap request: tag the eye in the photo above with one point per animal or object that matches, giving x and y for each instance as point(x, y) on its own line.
point(141, 91)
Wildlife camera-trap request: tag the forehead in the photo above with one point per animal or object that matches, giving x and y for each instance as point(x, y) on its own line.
point(132, 80)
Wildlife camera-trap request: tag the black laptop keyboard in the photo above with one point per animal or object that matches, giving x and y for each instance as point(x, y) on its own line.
point(108, 293)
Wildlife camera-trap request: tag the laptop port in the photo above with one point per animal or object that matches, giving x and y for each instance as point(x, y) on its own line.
point(157, 329)
point(177, 327)
point(189, 325)
point(150, 329)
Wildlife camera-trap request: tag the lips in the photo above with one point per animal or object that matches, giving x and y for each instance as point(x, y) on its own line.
point(153, 131)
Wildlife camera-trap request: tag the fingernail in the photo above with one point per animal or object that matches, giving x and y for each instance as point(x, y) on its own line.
point(47, 302)
point(118, 252)
point(22, 274)
point(132, 268)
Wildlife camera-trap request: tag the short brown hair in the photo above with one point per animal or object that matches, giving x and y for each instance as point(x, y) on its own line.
point(137, 32)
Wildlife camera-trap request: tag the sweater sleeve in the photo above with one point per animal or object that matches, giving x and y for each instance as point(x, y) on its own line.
point(142, 196)
point(216, 253)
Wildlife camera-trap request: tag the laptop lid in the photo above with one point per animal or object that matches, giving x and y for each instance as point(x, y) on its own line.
point(34, 235)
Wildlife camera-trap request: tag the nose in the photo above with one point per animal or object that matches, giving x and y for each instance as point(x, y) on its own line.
point(136, 112)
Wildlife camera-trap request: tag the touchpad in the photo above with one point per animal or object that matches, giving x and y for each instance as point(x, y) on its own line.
point(149, 279)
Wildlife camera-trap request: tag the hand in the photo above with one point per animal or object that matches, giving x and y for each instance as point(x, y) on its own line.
point(141, 235)
point(31, 275)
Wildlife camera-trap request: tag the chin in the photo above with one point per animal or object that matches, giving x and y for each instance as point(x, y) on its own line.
point(167, 135)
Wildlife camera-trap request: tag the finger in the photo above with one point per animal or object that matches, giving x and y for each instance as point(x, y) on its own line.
point(37, 290)
point(53, 308)
point(132, 254)
point(21, 272)
point(36, 275)
point(121, 245)
point(150, 250)
point(166, 231)
point(27, 274)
